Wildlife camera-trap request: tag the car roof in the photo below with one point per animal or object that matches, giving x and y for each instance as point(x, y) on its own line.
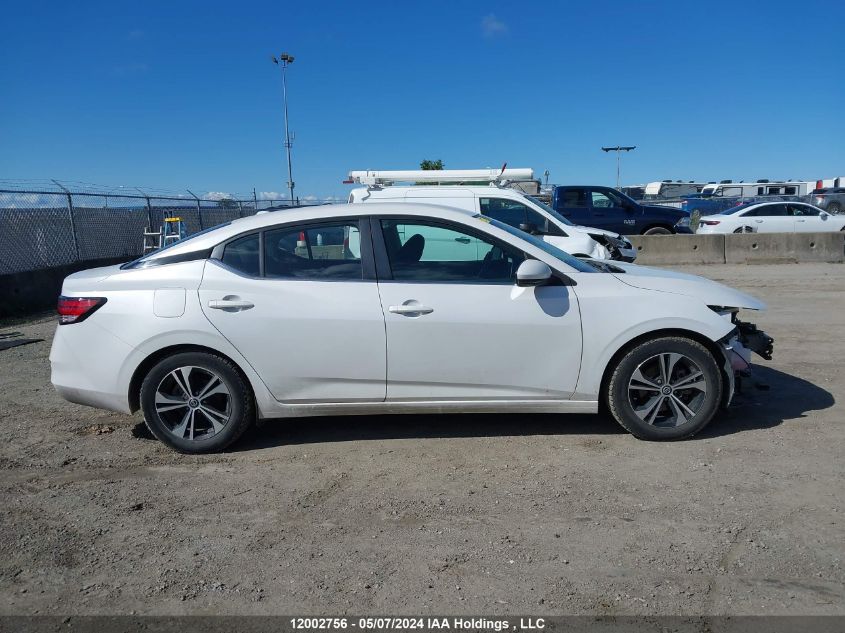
point(215, 236)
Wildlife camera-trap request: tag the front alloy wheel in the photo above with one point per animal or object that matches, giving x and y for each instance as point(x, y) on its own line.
point(665, 388)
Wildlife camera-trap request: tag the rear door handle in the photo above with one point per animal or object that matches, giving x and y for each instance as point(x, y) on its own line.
point(230, 304)
point(462, 240)
point(410, 309)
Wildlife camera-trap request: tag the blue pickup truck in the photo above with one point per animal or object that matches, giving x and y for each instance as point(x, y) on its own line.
point(607, 208)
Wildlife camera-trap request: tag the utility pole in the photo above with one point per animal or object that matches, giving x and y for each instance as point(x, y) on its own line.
point(618, 149)
point(284, 60)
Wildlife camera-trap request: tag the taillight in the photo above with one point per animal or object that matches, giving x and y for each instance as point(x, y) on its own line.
point(709, 222)
point(76, 309)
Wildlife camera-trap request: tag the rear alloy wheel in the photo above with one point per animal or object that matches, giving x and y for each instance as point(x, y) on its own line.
point(196, 402)
point(658, 230)
point(664, 389)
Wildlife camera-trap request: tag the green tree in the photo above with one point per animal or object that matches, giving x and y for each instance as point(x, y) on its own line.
point(431, 164)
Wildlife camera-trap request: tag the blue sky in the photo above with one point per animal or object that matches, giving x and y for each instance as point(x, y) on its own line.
point(183, 94)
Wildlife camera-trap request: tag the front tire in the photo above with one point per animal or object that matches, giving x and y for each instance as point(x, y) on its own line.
point(196, 402)
point(667, 388)
point(658, 230)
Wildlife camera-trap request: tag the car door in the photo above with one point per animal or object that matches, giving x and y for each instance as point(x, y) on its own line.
point(608, 213)
point(769, 218)
point(573, 204)
point(462, 330)
point(303, 309)
point(807, 218)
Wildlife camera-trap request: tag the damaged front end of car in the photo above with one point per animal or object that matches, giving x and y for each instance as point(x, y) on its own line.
point(746, 338)
point(619, 247)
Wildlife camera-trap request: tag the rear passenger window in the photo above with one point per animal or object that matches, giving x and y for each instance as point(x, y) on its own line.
point(242, 255)
point(574, 198)
point(325, 252)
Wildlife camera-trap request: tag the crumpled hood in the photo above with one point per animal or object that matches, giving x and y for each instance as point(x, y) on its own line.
point(590, 229)
point(710, 292)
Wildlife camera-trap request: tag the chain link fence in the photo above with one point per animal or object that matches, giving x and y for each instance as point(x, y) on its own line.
point(44, 229)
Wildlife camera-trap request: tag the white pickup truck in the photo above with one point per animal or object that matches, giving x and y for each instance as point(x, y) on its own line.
point(496, 201)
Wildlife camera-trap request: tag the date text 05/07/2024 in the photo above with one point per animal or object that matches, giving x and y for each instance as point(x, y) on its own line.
point(418, 624)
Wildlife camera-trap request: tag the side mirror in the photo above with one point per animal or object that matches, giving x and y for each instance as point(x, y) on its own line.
point(533, 272)
point(823, 215)
point(528, 227)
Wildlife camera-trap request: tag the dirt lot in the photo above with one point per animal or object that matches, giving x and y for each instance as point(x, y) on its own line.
point(535, 514)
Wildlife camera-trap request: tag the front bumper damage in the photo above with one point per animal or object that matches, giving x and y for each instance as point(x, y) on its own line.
point(619, 247)
point(737, 348)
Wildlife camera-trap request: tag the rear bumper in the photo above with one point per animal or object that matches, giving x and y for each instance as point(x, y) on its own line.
point(85, 363)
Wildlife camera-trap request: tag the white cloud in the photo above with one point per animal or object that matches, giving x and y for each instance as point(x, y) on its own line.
point(218, 195)
point(491, 26)
point(271, 195)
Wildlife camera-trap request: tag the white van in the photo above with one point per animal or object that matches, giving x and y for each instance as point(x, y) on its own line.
point(668, 189)
point(754, 189)
point(511, 207)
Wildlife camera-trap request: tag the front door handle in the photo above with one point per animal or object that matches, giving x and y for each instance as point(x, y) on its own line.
point(462, 240)
point(232, 305)
point(759, 221)
point(800, 220)
point(410, 308)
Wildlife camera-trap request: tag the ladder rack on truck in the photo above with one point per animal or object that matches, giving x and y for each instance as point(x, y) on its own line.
point(499, 177)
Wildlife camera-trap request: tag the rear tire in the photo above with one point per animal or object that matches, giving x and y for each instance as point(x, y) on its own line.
point(196, 402)
point(667, 388)
point(658, 230)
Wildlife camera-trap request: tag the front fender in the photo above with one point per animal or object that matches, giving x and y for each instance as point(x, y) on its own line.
point(613, 314)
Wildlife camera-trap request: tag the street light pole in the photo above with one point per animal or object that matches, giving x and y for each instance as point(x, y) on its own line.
point(618, 149)
point(284, 60)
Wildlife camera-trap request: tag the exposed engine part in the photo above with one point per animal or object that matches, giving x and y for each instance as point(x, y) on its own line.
point(755, 339)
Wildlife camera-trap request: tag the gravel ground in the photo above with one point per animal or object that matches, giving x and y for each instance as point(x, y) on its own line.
point(537, 514)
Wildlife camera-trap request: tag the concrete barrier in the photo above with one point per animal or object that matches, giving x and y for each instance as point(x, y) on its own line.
point(750, 248)
point(655, 250)
point(773, 248)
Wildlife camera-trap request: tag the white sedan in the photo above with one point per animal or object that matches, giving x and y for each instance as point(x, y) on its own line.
point(274, 315)
point(771, 217)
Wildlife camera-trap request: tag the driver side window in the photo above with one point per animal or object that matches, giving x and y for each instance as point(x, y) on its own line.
point(514, 213)
point(435, 253)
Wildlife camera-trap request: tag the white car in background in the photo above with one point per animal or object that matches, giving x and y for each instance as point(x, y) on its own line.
point(513, 208)
point(274, 316)
point(771, 217)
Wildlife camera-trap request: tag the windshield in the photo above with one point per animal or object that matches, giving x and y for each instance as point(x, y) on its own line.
point(138, 262)
point(554, 251)
point(557, 216)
